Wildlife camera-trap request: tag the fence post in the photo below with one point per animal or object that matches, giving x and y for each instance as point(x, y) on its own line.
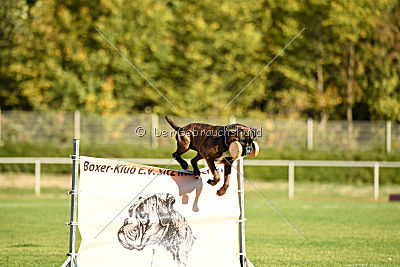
point(77, 125)
point(309, 133)
point(388, 136)
point(376, 181)
point(154, 127)
point(291, 179)
point(37, 177)
point(1, 141)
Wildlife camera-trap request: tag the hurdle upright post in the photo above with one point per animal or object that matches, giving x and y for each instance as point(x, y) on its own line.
point(71, 261)
point(242, 239)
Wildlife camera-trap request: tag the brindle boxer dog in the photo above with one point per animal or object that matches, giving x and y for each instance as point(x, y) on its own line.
point(211, 142)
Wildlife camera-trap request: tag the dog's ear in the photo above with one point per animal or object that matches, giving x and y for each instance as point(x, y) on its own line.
point(164, 208)
point(232, 129)
point(253, 133)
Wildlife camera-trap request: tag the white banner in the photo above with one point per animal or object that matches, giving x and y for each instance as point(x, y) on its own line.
point(178, 220)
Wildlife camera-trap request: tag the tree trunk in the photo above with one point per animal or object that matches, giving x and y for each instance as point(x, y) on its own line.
point(350, 97)
point(320, 77)
point(320, 83)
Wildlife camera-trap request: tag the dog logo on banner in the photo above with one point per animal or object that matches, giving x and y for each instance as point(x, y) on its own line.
point(154, 223)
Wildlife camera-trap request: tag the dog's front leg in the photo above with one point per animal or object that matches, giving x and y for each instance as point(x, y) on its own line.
point(213, 169)
point(227, 174)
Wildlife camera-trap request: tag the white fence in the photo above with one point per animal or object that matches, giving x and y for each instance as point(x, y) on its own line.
point(61, 127)
point(291, 164)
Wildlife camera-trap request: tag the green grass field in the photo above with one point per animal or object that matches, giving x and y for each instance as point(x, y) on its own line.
point(337, 233)
point(343, 226)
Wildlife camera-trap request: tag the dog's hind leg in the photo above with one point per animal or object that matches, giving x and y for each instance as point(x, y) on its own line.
point(214, 171)
point(194, 161)
point(183, 146)
point(227, 174)
point(182, 162)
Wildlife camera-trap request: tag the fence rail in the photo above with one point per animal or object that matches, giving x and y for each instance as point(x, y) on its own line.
point(61, 127)
point(291, 164)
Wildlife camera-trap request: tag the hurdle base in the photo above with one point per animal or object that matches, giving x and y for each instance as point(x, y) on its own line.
point(70, 260)
point(249, 263)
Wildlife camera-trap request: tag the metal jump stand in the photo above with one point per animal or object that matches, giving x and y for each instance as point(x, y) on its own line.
point(71, 260)
point(242, 219)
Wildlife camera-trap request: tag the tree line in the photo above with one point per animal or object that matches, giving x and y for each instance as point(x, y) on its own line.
point(201, 54)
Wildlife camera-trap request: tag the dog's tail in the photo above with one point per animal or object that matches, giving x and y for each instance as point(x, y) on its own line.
point(173, 125)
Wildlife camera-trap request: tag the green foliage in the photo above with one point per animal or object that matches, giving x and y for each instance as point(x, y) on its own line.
point(200, 55)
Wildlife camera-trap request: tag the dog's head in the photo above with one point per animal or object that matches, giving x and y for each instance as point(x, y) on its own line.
point(148, 221)
point(244, 135)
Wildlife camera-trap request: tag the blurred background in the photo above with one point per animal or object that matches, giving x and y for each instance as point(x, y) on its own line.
point(200, 54)
point(333, 94)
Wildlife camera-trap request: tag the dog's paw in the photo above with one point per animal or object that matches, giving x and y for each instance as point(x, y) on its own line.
point(221, 192)
point(196, 173)
point(212, 182)
point(185, 166)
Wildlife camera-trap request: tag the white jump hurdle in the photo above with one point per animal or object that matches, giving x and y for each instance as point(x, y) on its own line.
point(71, 260)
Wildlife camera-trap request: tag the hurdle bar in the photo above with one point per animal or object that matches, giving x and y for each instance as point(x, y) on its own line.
point(71, 260)
point(37, 161)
